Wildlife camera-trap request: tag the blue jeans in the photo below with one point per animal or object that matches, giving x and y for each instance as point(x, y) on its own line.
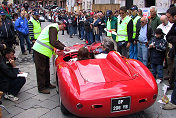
point(82, 32)
point(157, 69)
point(74, 30)
point(133, 51)
point(71, 30)
point(173, 96)
point(142, 53)
point(97, 37)
point(21, 38)
point(90, 37)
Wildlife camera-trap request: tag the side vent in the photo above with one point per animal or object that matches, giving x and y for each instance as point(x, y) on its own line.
point(142, 100)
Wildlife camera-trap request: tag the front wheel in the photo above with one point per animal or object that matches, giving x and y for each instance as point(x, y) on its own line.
point(63, 109)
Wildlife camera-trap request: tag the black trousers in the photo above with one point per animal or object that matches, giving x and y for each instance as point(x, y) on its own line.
point(12, 86)
point(42, 70)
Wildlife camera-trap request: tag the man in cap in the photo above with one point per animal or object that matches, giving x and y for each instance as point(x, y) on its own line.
point(6, 31)
point(136, 25)
point(111, 24)
point(34, 27)
point(6, 10)
point(43, 51)
point(124, 32)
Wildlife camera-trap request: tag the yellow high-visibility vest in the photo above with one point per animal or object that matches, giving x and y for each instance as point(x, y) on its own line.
point(42, 44)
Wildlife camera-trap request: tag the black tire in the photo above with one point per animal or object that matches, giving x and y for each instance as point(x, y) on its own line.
point(63, 109)
point(57, 84)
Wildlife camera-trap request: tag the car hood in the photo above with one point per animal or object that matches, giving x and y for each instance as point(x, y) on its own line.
point(101, 70)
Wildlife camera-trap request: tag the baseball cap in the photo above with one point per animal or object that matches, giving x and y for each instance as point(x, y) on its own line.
point(36, 13)
point(2, 12)
point(108, 13)
point(134, 7)
point(91, 13)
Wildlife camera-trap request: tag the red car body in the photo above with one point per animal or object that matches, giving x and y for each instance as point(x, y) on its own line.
point(109, 87)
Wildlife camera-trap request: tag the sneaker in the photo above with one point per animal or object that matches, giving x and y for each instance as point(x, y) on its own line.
point(84, 40)
point(169, 106)
point(10, 97)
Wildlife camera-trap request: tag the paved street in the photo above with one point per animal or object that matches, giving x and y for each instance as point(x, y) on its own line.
point(32, 104)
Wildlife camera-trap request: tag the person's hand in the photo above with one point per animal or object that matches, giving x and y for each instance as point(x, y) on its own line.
point(150, 46)
point(12, 62)
point(128, 44)
point(21, 72)
point(66, 48)
point(135, 42)
point(4, 46)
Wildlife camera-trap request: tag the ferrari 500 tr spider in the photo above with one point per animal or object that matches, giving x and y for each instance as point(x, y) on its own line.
point(104, 87)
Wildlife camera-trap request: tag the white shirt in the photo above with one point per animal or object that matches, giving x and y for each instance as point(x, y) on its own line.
point(166, 28)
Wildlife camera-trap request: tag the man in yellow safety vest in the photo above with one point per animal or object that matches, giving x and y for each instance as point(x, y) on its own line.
point(136, 25)
point(43, 51)
point(34, 27)
point(124, 32)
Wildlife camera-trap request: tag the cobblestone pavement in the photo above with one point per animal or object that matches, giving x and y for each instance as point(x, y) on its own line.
point(32, 104)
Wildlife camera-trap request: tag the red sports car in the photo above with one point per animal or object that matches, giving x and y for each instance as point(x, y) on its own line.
point(105, 87)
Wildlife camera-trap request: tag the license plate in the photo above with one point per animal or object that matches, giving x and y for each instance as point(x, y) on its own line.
point(120, 104)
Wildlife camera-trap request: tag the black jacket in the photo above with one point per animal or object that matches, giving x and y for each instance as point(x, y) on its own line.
point(7, 73)
point(150, 33)
point(157, 53)
point(171, 36)
point(7, 33)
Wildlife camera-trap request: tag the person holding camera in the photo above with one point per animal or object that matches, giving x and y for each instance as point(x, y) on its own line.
point(10, 83)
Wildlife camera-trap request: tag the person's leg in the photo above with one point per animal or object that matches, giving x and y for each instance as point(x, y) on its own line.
point(154, 69)
point(47, 72)
point(21, 38)
point(91, 37)
point(135, 51)
point(82, 32)
point(62, 32)
point(173, 96)
point(144, 54)
point(40, 65)
point(125, 50)
point(88, 37)
point(139, 52)
point(28, 42)
point(160, 71)
point(119, 48)
point(131, 51)
point(16, 85)
point(71, 31)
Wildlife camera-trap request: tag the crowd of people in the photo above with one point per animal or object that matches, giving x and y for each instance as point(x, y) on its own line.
point(150, 40)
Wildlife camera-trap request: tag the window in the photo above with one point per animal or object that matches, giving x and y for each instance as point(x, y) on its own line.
point(149, 3)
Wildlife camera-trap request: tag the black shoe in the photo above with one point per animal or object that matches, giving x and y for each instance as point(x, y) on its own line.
point(44, 91)
point(71, 37)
